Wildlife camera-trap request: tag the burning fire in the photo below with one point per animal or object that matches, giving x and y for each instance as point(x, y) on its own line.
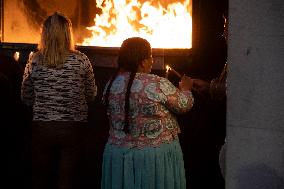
point(163, 27)
point(167, 68)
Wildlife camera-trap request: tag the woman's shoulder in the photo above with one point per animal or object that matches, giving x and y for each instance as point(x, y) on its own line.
point(77, 53)
point(151, 77)
point(35, 57)
point(79, 57)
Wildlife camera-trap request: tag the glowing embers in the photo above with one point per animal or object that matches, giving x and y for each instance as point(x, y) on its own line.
point(166, 25)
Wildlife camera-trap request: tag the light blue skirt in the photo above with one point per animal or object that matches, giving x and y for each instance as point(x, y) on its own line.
point(148, 168)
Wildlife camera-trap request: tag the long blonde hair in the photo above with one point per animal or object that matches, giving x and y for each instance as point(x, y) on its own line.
point(56, 40)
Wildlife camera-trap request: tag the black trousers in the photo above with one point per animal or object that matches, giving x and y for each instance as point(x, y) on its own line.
point(57, 154)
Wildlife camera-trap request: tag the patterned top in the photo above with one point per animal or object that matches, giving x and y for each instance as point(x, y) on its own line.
point(59, 94)
point(153, 100)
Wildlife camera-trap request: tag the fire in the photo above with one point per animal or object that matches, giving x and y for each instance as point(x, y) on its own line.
point(17, 56)
point(163, 27)
point(167, 68)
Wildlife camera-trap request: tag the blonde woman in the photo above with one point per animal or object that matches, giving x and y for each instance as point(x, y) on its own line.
point(58, 83)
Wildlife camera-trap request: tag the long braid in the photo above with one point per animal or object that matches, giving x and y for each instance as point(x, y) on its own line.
point(126, 128)
point(131, 54)
point(106, 99)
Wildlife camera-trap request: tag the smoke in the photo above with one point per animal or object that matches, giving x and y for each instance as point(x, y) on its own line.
point(18, 27)
point(32, 9)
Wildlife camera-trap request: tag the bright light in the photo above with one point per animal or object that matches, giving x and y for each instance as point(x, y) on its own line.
point(163, 27)
point(17, 56)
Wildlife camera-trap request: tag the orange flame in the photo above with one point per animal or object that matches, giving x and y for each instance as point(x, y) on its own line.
point(167, 68)
point(17, 56)
point(163, 27)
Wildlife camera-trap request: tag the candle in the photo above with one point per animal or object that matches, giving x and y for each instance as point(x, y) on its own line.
point(167, 71)
point(17, 56)
point(174, 71)
point(31, 54)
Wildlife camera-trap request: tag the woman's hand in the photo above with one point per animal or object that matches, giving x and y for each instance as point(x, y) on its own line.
point(185, 83)
point(201, 86)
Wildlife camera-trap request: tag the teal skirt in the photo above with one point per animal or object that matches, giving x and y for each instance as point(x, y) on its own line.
point(147, 168)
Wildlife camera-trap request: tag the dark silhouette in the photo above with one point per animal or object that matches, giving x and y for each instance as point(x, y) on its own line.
point(205, 126)
point(15, 156)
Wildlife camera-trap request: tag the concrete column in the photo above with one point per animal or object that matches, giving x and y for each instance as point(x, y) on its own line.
point(255, 119)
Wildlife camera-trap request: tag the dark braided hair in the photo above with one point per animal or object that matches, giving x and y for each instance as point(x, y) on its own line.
point(131, 54)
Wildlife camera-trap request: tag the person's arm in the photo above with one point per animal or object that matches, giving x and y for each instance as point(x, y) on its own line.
point(177, 100)
point(201, 86)
point(218, 86)
point(217, 89)
point(90, 85)
point(27, 88)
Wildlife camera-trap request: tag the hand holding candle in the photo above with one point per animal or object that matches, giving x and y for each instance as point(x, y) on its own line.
point(185, 83)
point(168, 68)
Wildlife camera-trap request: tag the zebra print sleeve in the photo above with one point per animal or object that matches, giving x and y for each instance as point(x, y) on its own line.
point(90, 86)
point(27, 88)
